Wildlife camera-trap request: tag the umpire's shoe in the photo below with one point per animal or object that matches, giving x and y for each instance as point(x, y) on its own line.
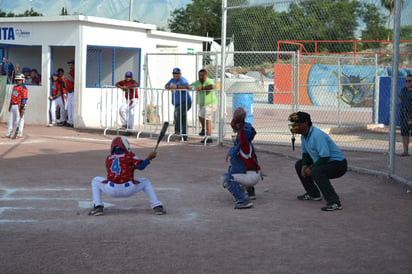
point(97, 211)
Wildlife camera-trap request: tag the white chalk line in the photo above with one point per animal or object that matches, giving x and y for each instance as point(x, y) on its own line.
point(80, 204)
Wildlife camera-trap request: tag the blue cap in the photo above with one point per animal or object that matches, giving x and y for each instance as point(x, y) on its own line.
point(128, 74)
point(56, 73)
point(71, 61)
point(26, 69)
point(176, 71)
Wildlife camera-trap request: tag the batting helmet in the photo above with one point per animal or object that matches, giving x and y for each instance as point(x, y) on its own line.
point(120, 142)
point(19, 77)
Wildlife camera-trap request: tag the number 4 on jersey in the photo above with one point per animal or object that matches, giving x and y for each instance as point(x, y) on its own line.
point(115, 168)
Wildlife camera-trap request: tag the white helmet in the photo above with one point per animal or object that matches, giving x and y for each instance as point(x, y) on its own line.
point(19, 77)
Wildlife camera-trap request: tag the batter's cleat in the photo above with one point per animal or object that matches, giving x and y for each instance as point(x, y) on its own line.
point(159, 210)
point(244, 205)
point(332, 207)
point(96, 211)
point(306, 197)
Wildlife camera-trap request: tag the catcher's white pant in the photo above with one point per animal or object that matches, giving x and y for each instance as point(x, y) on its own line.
point(250, 178)
point(126, 112)
point(70, 107)
point(122, 190)
point(54, 103)
point(13, 119)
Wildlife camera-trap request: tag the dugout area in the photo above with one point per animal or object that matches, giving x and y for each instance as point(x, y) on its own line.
point(45, 196)
point(102, 49)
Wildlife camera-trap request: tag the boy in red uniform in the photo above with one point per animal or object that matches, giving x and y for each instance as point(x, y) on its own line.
point(126, 110)
point(120, 182)
point(69, 80)
point(57, 100)
point(244, 171)
point(18, 102)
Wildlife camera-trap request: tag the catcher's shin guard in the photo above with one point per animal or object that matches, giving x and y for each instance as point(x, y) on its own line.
point(237, 191)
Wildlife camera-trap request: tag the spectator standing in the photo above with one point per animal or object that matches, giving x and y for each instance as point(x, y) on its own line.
point(35, 77)
point(181, 100)
point(126, 110)
point(207, 101)
point(406, 114)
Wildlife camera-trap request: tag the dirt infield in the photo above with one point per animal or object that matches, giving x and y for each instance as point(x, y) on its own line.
point(45, 196)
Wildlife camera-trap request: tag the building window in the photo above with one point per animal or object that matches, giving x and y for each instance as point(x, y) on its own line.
point(106, 65)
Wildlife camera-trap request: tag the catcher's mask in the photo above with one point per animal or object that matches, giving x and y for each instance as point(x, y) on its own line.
point(297, 119)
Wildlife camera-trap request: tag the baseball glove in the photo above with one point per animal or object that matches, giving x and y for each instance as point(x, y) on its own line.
point(238, 120)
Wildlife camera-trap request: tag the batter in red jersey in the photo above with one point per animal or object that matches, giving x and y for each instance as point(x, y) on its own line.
point(120, 182)
point(126, 110)
point(17, 105)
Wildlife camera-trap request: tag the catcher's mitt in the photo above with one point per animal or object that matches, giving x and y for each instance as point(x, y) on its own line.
point(238, 120)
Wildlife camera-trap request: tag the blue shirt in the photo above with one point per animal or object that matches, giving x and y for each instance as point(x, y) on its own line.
point(318, 144)
point(179, 94)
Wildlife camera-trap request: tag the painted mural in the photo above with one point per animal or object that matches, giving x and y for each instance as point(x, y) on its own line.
point(320, 86)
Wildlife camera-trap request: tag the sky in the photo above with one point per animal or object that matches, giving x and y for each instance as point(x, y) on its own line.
point(147, 11)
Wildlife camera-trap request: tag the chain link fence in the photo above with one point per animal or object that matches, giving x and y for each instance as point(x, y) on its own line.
point(328, 58)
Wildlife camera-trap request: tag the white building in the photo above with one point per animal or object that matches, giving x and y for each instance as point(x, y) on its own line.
point(103, 50)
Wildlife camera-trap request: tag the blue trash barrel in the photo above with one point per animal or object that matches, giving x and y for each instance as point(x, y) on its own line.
point(245, 101)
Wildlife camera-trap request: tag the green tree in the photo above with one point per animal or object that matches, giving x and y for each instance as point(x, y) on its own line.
point(390, 6)
point(64, 11)
point(27, 13)
point(374, 25)
point(201, 17)
point(322, 20)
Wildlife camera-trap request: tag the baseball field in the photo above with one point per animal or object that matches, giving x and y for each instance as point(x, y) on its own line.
point(45, 196)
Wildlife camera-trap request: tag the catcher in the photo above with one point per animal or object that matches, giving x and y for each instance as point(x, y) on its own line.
point(321, 160)
point(120, 182)
point(244, 171)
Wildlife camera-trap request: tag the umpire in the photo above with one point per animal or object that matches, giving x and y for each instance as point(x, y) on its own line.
point(321, 160)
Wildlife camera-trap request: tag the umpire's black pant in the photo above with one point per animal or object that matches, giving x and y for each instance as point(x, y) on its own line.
point(319, 182)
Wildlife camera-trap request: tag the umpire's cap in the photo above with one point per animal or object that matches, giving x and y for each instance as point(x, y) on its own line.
point(128, 74)
point(303, 117)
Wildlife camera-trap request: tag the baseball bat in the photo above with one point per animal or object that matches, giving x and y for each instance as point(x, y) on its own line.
point(161, 134)
point(17, 128)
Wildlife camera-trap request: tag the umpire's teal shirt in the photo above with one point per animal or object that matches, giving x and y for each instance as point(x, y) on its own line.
point(318, 144)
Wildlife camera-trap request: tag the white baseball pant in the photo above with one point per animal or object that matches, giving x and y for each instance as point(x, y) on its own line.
point(122, 190)
point(13, 119)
